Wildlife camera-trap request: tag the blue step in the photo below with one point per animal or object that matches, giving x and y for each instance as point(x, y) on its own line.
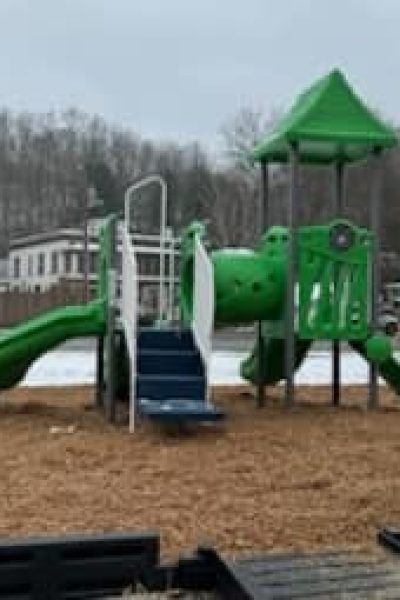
point(165, 339)
point(159, 387)
point(170, 382)
point(180, 410)
point(169, 362)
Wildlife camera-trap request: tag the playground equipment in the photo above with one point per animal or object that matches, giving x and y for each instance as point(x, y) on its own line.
point(163, 370)
point(315, 282)
point(329, 125)
point(168, 366)
point(250, 286)
point(301, 284)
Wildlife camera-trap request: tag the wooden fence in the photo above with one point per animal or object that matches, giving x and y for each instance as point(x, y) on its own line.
point(18, 306)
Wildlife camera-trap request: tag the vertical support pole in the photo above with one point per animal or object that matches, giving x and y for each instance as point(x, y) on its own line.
point(99, 371)
point(338, 207)
point(163, 227)
point(110, 374)
point(171, 274)
point(264, 196)
point(86, 247)
point(291, 278)
point(375, 224)
point(264, 224)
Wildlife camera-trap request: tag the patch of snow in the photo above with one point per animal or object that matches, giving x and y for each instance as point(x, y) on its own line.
point(75, 367)
point(62, 367)
point(315, 370)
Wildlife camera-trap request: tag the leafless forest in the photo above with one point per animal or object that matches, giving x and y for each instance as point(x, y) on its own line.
point(51, 165)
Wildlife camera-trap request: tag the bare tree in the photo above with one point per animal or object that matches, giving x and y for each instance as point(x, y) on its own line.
point(241, 134)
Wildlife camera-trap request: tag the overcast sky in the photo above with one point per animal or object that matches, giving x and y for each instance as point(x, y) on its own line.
point(178, 69)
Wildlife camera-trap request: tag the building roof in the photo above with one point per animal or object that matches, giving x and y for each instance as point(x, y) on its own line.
point(35, 239)
point(73, 236)
point(329, 122)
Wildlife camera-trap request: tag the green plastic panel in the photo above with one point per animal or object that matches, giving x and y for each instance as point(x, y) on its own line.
point(105, 257)
point(334, 267)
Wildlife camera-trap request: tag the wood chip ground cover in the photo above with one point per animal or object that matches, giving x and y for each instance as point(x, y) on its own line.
point(310, 478)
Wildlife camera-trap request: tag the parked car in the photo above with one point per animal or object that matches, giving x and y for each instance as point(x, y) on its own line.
point(391, 292)
point(388, 321)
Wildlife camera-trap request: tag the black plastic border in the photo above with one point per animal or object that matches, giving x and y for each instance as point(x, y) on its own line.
point(75, 566)
point(389, 537)
point(97, 566)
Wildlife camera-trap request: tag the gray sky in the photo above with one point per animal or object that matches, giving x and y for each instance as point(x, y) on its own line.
point(179, 69)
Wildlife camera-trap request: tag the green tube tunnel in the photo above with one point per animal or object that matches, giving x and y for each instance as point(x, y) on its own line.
point(249, 286)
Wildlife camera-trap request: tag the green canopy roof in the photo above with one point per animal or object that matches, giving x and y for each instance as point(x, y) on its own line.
point(330, 123)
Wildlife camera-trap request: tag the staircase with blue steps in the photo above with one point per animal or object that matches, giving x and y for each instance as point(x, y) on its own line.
point(170, 382)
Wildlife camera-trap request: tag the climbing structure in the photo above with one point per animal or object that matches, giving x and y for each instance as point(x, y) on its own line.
point(328, 125)
point(168, 364)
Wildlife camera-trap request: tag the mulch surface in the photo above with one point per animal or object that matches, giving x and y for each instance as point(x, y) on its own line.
point(310, 478)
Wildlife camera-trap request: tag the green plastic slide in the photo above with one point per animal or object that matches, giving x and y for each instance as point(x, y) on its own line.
point(273, 355)
point(20, 346)
point(23, 344)
point(389, 369)
point(390, 372)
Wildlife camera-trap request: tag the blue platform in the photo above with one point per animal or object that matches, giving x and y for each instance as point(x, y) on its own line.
point(171, 385)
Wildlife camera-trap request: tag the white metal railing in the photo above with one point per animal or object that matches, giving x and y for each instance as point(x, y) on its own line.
point(203, 305)
point(171, 274)
point(146, 181)
point(129, 310)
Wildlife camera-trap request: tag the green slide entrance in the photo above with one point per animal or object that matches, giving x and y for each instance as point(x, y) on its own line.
point(389, 369)
point(23, 344)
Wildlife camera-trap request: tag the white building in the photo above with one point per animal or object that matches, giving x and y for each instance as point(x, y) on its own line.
point(39, 261)
point(3, 274)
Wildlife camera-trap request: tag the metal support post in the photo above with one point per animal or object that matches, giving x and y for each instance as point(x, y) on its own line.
point(110, 391)
point(375, 224)
point(264, 224)
point(338, 207)
point(99, 372)
point(86, 247)
point(291, 278)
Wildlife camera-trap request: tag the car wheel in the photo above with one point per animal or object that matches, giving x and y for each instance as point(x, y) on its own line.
point(391, 329)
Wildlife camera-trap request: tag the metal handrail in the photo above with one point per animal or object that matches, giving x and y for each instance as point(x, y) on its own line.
point(151, 180)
